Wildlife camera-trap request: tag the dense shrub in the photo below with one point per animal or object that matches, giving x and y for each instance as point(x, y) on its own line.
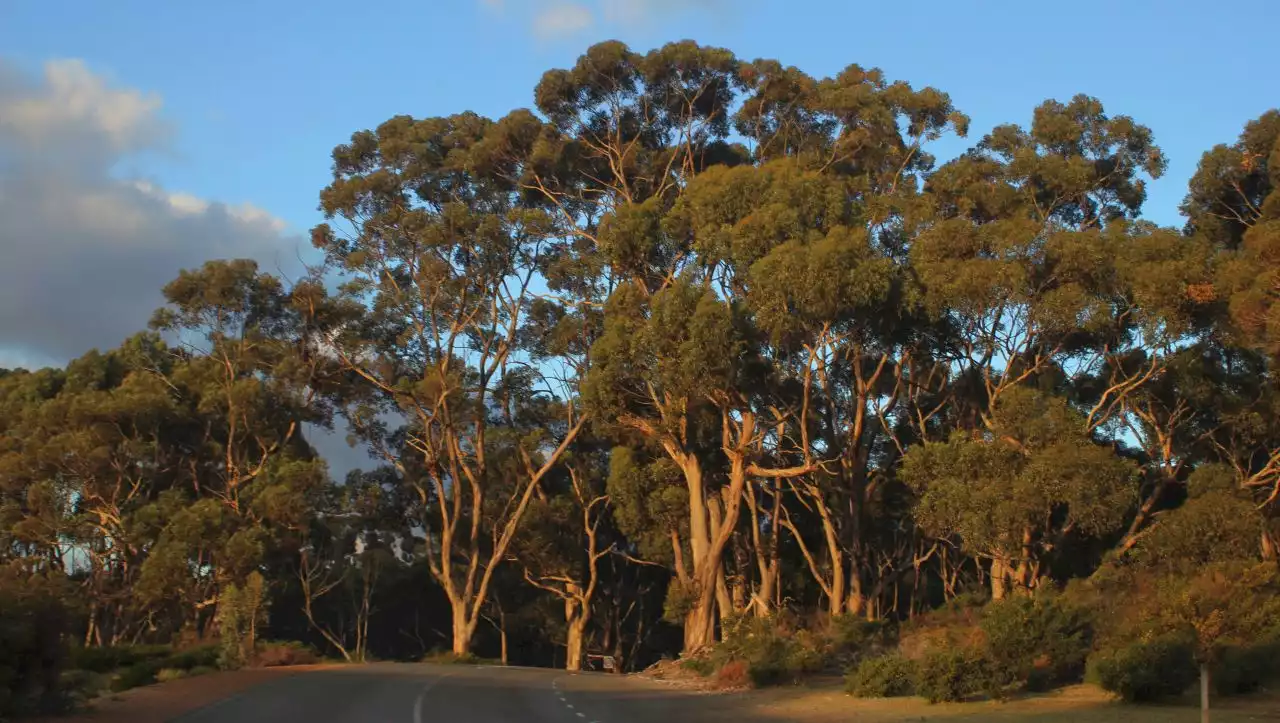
point(852, 639)
point(1038, 642)
point(164, 675)
point(200, 656)
point(733, 675)
point(106, 660)
point(1145, 671)
point(136, 675)
point(272, 654)
point(700, 666)
point(33, 621)
point(448, 657)
point(958, 674)
point(888, 676)
point(773, 654)
point(1244, 668)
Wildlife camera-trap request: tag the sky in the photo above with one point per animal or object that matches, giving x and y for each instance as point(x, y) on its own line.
point(138, 138)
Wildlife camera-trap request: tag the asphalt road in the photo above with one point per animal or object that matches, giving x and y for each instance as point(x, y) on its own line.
point(393, 693)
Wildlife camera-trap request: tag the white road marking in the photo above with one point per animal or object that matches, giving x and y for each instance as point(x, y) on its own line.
point(570, 705)
point(417, 704)
point(580, 715)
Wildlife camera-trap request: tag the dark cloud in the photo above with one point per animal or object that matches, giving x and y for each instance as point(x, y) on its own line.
point(83, 253)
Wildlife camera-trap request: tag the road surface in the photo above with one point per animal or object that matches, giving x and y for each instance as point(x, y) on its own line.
point(390, 693)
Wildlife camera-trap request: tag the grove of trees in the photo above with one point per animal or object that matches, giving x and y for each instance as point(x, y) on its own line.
point(694, 338)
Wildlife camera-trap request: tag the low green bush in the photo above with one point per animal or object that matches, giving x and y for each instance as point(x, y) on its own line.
point(1038, 642)
point(135, 676)
point(853, 639)
point(1145, 671)
point(701, 666)
point(196, 657)
point(448, 657)
point(276, 653)
point(958, 674)
point(1245, 668)
point(106, 660)
point(33, 621)
point(164, 675)
point(888, 676)
point(733, 675)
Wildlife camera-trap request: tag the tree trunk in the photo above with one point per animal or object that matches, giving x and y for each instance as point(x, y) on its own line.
point(462, 627)
point(1204, 693)
point(577, 634)
point(700, 623)
point(999, 579)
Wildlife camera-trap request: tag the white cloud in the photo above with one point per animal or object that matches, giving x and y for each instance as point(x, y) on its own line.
point(552, 19)
point(561, 19)
point(83, 253)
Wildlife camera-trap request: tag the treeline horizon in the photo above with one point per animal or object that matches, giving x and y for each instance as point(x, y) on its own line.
point(695, 339)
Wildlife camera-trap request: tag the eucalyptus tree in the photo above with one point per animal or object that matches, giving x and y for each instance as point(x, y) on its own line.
point(439, 266)
point(1014, 493)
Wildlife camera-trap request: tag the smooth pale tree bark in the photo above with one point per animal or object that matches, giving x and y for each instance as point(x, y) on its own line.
point(578, 595)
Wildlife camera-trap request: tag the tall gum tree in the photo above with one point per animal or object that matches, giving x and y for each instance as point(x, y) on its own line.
point(440, 258)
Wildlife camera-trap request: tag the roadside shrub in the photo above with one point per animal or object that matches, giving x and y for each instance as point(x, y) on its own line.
point(164, 675)
point(448, 657)
point(955, 675)
point(33, 621)
point(1145, 671)
point(853, 639)
point(733, 675)
point(889, 676)
point(774, 655)
point(201, 670)
point(1038, 642)
point(199, 656)
point(700, 666)
point(106, 660)
point(135, 676)
point(271, 654)
point(773, 664)
point(1244, 668)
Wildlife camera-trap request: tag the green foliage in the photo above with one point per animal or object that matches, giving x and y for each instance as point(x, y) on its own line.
point(702, 666)
point(200, 656)
point(773, 654)
point(164, 675)
point(1039, 641)
point(1245, 667)
point(886, 676)
point(448, 657)
point(136, 675)
point(33, 619)
point(240, 612)
point(1146, 670)
point(107, 659)
point(733, 675)
point(274, 653)
point(958, 674)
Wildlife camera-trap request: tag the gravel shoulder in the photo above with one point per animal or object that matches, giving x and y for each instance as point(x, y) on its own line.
point(165, 701)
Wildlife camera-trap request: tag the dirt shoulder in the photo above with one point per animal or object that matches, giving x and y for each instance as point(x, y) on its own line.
point(165, 701)
point(1077, 703)
point(826, 702)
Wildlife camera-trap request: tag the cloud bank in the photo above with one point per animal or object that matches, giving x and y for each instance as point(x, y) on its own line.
point(84, 253)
